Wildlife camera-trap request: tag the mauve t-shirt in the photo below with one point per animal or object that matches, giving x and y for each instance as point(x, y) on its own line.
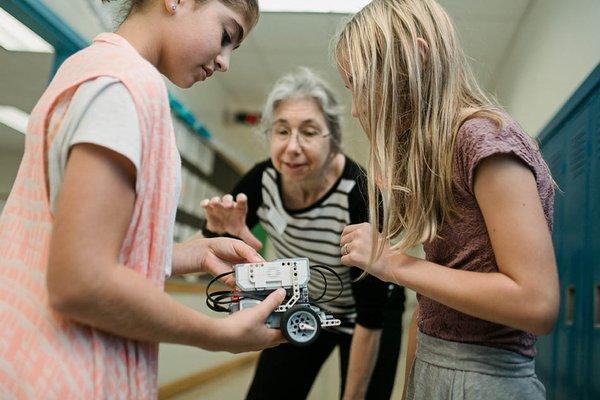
point(463, 241)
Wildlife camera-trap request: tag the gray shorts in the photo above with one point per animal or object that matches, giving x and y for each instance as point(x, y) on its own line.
point(451, 370)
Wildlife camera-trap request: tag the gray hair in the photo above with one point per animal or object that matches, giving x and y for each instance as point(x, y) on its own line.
point(305, 84)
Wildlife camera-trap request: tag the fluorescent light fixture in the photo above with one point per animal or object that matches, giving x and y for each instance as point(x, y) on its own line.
point(313, 6)
point(14, 118)
point(15, 36)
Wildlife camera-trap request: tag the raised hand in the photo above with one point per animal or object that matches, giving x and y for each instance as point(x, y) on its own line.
point(224, 215)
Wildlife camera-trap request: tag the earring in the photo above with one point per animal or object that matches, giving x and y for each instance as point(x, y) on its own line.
point(173, 7)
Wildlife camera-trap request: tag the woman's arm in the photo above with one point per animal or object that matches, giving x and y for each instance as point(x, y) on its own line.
point(87, 284)
point(523, 294)
point(363, 356)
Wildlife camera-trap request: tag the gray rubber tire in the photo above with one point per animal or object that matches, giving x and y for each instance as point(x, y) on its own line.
point(290, 325)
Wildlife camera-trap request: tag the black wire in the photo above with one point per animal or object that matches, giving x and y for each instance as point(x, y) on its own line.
point(316, 267)
point(214, 303)
point(216, 278)
point(253, 296)
point(216, 300)
point(223, 298)
point(324, 289)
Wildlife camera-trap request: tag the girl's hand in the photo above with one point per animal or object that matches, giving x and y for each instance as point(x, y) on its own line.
point(356, 251)
point(215, 256)
point(245, 330)
point(223, 215)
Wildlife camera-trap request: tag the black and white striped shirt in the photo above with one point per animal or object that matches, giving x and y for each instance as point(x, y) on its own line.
point(314, 232)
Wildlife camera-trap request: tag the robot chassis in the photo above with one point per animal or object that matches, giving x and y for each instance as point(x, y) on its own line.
point(299, 320)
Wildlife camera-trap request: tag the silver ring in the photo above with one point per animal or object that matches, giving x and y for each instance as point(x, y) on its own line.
point(345, 250)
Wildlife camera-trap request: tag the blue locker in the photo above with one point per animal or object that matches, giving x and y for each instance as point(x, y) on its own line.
point(546, 361)
point(569, 378)
point(592, 321)
point(569, 359)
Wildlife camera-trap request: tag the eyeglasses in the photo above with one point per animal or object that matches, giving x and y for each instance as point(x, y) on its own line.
point(306, 137)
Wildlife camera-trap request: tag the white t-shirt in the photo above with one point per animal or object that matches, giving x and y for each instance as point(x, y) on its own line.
point(101, 112)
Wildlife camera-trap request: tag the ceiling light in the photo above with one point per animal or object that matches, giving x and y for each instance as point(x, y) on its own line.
point(15, 36)
point(14, 118)
point(313, 6)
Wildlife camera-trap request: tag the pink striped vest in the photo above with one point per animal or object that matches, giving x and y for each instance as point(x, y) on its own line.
point(42, 355)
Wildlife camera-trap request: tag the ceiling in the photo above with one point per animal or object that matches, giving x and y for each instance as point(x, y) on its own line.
point(279, 43)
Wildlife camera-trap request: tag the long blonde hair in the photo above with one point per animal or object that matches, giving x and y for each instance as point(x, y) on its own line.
point(411, 107)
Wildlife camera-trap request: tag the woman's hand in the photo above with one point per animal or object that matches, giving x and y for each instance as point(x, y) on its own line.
point(223, 215)
point(245, 330)
point(356, 252)
point(215, 256)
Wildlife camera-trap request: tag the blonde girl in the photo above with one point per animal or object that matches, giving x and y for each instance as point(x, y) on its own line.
point(86, 234)
point(457, 174)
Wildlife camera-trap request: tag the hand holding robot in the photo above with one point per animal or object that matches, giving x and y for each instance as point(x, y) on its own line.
point(298, 318)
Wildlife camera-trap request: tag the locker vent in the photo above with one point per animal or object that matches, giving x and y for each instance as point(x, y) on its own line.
point(578, 154)
point(570, 305)
point(554, 163)
point(597, 135)
point(597, 306)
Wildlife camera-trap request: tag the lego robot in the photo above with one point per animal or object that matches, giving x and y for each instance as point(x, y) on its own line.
point(300, 321)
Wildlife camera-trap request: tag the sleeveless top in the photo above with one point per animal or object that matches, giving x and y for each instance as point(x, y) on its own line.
point(42, 354)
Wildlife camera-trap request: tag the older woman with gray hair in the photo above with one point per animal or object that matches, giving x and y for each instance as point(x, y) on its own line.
point(304, 195)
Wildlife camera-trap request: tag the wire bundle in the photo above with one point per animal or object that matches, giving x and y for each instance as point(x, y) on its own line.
point(220, 300)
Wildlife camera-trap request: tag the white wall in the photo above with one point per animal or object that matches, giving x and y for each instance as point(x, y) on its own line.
point(9, 165)
point(208, 101)
point(556, 47)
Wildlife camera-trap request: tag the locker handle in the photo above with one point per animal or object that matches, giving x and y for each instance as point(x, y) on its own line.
point(570, 305)
point(597, 306)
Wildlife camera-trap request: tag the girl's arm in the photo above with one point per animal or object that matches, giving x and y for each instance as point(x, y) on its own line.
point(523, 294)
point(87, 284)
point(363, 356)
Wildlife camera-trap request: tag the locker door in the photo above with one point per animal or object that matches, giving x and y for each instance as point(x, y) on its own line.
point(570, 348)
point(553, 152)
point(593, 322)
